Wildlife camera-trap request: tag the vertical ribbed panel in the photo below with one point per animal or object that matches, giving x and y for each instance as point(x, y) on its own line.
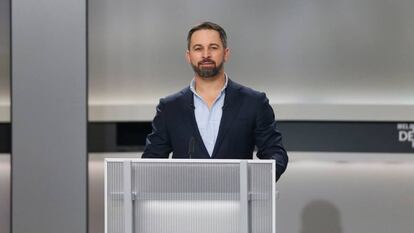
point(186, 198)
point(261, 197)
point(115, 205)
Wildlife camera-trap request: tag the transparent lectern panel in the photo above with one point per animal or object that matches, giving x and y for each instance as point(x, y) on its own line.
point(189, 196)
point(115, 202)
point(261, 197)
point(186, 197)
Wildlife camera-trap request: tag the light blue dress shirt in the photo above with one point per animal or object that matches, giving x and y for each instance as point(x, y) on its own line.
point(208, 120)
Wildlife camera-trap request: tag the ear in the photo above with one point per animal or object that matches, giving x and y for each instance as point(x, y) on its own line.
point(187, 56)
point(226, 54)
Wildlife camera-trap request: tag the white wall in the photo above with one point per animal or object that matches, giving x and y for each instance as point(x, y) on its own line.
point(355, 56)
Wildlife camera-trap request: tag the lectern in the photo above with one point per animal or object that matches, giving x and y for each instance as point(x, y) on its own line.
point(190, 196)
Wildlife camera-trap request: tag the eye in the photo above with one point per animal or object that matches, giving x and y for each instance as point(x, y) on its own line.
point(197, 48)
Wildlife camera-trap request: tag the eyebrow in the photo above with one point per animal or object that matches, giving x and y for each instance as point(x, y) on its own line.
point(199, 45)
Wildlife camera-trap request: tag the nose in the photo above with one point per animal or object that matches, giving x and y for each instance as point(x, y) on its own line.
point(206, 53)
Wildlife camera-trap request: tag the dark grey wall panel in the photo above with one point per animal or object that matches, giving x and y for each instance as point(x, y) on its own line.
point(49, 161)
point(5, 138)
point(329, 136)
point(117, 136)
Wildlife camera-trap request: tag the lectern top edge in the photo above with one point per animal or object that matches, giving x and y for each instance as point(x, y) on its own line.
point(188, 160)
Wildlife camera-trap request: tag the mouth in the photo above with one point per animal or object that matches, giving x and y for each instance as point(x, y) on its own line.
point(207, 63)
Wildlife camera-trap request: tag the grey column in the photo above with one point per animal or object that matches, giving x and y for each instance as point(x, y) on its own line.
point(49, 116)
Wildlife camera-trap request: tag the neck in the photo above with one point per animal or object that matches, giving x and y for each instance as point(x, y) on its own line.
point(211, 84)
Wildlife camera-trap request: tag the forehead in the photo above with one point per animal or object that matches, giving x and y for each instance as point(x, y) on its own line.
point(205, 37)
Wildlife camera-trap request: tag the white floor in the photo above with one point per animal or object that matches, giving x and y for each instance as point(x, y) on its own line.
point(326, 193)
point(347, 193)
point(319, 193)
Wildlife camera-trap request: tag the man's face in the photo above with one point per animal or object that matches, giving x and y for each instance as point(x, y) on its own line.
point(206, 53)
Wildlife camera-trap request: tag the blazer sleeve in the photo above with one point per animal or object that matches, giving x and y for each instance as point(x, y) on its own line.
point(267, 138)
point(158, 143)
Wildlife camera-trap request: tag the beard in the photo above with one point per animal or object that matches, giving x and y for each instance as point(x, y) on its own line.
point(207, 72)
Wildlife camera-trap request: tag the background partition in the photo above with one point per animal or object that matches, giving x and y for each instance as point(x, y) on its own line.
point(49, 114)
point(5, 133)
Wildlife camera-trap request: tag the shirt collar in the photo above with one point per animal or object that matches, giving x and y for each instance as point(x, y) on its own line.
point(192, 85)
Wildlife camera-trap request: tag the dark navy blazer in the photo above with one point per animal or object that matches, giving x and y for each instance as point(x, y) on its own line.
point(247, 121)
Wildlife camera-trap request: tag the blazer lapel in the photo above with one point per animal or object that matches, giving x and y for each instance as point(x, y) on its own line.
point(188, 111)
point(231, 107)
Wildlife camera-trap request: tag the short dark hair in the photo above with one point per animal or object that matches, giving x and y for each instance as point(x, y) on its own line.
point(208, 26)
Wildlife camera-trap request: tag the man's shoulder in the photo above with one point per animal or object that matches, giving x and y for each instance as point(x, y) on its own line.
point(175, 97)
point(247, 91)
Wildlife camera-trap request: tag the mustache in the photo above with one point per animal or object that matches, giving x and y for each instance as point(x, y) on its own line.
point(206, 61)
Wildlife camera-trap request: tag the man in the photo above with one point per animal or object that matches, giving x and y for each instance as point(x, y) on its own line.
point(214, 117)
